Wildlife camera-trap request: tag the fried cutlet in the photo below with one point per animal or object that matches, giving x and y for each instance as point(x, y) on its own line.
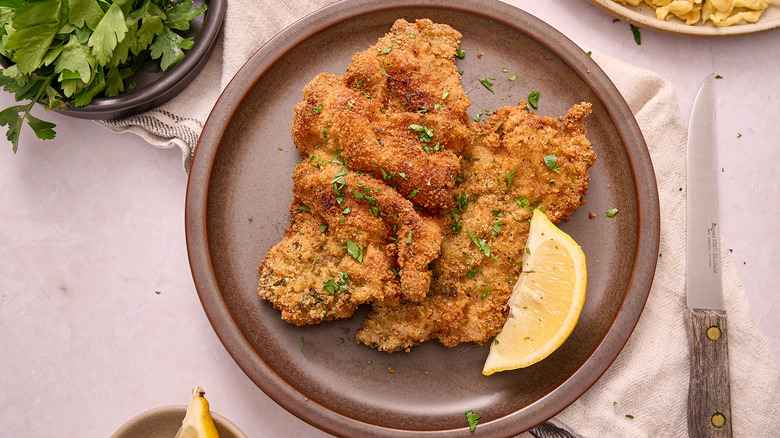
point(518, 162)
point(399, 109)
point(352, 240)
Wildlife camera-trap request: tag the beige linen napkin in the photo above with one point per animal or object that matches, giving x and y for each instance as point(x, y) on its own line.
point(649, 379)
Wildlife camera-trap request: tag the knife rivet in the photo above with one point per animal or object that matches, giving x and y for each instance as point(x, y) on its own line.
point(713, 333)
point(718, 420)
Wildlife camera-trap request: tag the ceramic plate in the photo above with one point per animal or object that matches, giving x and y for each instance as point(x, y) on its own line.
point(644, 16)
point(239, 193)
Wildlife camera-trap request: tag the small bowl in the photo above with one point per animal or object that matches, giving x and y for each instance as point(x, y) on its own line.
point(164, 422)
point(154, 89)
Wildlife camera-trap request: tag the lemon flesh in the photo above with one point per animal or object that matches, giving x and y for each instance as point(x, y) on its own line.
point(546, 300)
point(197, 421)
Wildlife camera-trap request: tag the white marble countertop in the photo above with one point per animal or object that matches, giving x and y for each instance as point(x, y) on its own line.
point(99, 317)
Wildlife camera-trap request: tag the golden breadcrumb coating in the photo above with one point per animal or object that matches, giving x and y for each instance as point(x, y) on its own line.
point(403, 204)
point(505, 176)
point(352, 230)
point(400, 108)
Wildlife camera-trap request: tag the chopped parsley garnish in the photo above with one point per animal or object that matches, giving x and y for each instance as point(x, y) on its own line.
point(444, 94)
point(484, 294)
point(533, 99)
point(513, 78)
point(323, 227)
point(334, 287)
point(355, 250)
point(718, 77)
point(433, 148)
point(303, 208)
point(301, 344)
point(479, 115)
point(629, 416)
point(473, 272)
point(460, 53)
point(339, 178)
point(612, 212)
point(317, 109)
point(387, 50)
point(487, 84)
point(481, 244)
point(473, 420)
point(637, 36)
point(425, 133)
point(497, 228)
point(552, 162)
point(523, 202)
point(360, 195)
point(409, 237)
point(510, 178)
point(413, 194)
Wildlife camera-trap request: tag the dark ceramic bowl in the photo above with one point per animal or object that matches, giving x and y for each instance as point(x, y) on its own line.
point(239, 194)
point(154, 89)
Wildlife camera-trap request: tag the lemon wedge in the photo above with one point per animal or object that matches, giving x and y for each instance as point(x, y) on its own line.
point(197, 421)
point(546, 300)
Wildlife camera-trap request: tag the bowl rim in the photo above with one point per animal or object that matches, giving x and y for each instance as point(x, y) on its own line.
point(179, 410)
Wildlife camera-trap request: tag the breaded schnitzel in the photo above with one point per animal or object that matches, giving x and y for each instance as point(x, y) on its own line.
point(352, 240)
point(402, 203)
point(399, 109)
point(519, 161)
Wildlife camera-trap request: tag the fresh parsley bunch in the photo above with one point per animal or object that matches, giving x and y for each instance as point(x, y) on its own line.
point(67, 52)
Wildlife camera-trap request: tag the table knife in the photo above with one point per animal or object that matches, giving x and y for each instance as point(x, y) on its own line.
point(709, 407)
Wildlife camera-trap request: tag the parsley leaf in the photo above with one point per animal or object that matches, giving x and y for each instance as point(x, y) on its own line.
point(481, 244)
point(552, 163)
point(473, 420)
point(77, 58)
point(81, 12)
point(487, 84)
point(355, 250)
point(181, 14)
point(533, 99)
point(110, 30)
point(35, 27)
point(170, 46)
point(637, 35)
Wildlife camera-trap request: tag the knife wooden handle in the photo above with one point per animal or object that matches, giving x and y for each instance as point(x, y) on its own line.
point(709, 405)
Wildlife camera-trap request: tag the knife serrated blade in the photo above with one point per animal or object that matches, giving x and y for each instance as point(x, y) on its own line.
point(709, 406)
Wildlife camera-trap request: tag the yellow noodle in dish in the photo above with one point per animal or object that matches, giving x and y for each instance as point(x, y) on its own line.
point(721, 13)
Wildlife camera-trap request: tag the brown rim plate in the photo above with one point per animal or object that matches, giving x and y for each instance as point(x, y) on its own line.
point(643, 16)
point(240, 188)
